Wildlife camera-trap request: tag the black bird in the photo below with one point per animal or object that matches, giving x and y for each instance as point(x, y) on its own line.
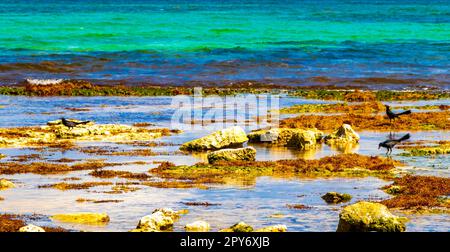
point(391, 115)
point(71, 124)
point(390, 144)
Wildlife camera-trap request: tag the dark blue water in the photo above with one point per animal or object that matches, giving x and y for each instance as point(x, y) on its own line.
point(368, 43)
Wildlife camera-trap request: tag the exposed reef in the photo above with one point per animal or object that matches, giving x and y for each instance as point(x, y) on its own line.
point(294, 137)
point(438, 148)
point(419, 193)
point(223, 172)
point(55, 133)
point(415, 121)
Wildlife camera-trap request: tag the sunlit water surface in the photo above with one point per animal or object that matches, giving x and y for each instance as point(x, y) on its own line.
point(253, 204)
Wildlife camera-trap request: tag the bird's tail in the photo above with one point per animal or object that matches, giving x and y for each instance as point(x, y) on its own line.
point(84, 122)
point(405, 137)
point(407, 112)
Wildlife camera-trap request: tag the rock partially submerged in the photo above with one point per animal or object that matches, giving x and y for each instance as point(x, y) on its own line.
point(238, 227)
point(6, 184)
point(243, 227)
point(83, 218)
point(428, 150)
point(275, 228)
point(54, 132)
point(31, 228)
point(233, 136)
point(245, 154)
point(342, 136)
point(300, 138)
point(367, 217)
point(197, 226)
point(160, 220)
point(246, 172)
point(335, 197)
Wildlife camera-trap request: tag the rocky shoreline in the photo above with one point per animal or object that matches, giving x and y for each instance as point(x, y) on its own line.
point(231, 160)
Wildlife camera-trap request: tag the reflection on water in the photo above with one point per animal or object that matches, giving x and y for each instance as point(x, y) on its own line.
point(250, 201)
point(345, 148)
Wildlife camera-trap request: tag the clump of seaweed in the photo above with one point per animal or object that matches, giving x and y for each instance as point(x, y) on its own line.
point(205, 204)
point(26, 158)
point(143, 124)
point(10, 223)
point(49, 168)
point(78, 109)
point(119, 188)
point(82, 200)
point(13, 222)
point(120, 174)
point(223, 172)
point(149, 144)
point(181, 184)
point(297, 206)
point(364, 96)
point(415, 121)
point(65, 160)
point(63, 186)
point(365, 107)
point(426, 150)
point(85, 88)
point(418, 192)
point(115, 151)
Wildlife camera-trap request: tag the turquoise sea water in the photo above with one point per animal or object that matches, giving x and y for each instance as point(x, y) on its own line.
point(286, 42)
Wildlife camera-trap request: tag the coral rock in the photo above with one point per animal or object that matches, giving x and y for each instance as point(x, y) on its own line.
point(246, 154)
point(300, 138)
point(238, 227)
point(334, 197)
point(276, 228)
point(6, 184)
point(155, 222)
point(343, 135)
point(197, 226)
point(31, 228)
point(368, 216)
point(220, 139)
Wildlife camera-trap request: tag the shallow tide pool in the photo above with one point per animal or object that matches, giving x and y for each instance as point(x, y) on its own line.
point(253, 203)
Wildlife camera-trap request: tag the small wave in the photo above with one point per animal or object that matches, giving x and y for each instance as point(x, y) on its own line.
point(44, 81)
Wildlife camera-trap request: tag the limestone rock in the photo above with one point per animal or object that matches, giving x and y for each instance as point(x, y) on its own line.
point(368, 216)
point(31, 228)
point(155, 222)
point(300, 138)
point(275, 228)
point(83, 218)
point(343, 135)
point(169, 212)
point(54, 132)
point(246, 154)
point(197, 226)
point(6, 184)
point(220, 139)
point(238, 227)
point(334, 197)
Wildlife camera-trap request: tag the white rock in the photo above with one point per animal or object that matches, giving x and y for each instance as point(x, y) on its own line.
point(197, 226)
point(31, 228)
